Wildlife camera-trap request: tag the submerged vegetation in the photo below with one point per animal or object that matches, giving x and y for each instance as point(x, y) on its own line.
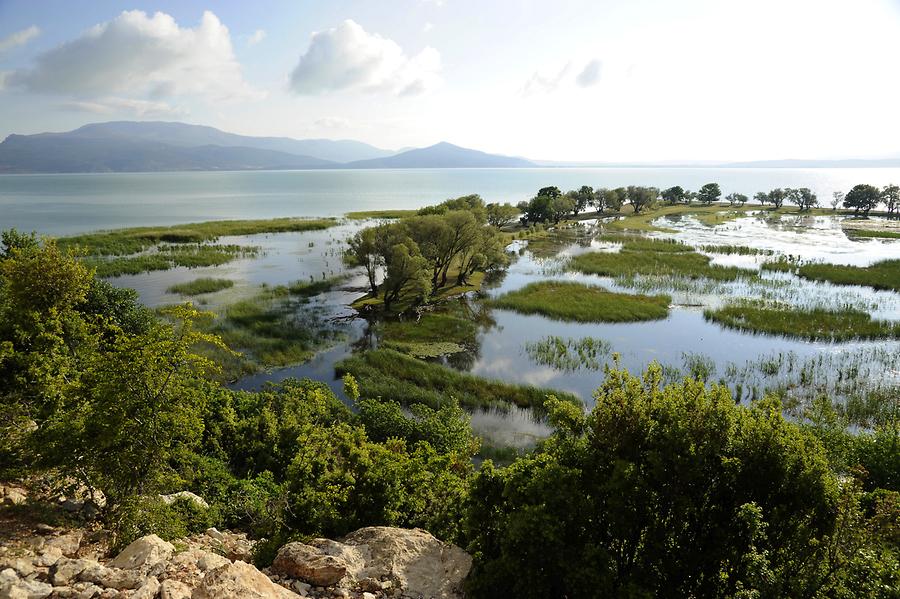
point(564, 300)
point(652, 257)
point(569, 354)
point(169, 256)
point(122, 242)
point(816, 324)
point(881, 275)
point(389, 374)
point(201, 286)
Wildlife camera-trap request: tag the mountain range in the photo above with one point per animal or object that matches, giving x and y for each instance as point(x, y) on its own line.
point(138, 146)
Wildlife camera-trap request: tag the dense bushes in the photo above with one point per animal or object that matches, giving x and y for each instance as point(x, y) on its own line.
point(669, 492)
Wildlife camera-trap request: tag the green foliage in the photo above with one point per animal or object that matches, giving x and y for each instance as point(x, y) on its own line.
point(672, 491)
point(804, 323)
point(655, 258)
point(583, 303)
point(380, 214)
point(862, 198)
point(394, 376)
point(121, 242)
point(501, 215)
point(881, 275)
point(709, 193)
point(569, 354)
point(446, 429)
point(167, 257)
point(201, 286)
point(140, 516)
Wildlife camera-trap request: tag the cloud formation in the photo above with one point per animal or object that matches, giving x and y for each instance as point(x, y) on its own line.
point(258, 36)
point(139, 55)
point(19, 38)
point(136, 108)
point(347, 57)
point(590, 74)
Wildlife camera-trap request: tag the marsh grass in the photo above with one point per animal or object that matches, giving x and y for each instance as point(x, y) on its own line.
point(380, 214)
point(815, 324)
point(569, 355)
point(392, 375)
point(201, 286)
point(655, 259)
point(169, 256)
point(563, 300)
point(881, 275)
point(123, 242)
point(868, 233)
point(315, 287)
point(429, 336)
point(741, 250)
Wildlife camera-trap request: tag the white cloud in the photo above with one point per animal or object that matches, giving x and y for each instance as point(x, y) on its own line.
point(543, 83)
point(428, 26)
point(19, 38)
point(139, 55)
point(348, 57)
point(333, 122)
point(136, 108)
point(590, 74)
point(258, 36)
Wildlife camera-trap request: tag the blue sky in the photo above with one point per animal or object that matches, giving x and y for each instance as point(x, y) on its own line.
point(571, 79)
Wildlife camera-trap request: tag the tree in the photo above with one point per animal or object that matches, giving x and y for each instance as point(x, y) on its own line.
point(736, 198)
point(471, 203)
point(890, 195)
point(658, 492)
point(641, 197)
point(777, 197)
point(862, 198)
point(581, 197)
point(673, 195)
point(406, 270)
point(837, 198)
point(550, 192)
point(561, 207)
point(802, 197)
point(501, 215)
point(762, 197)
point(709, 193)
point(486, 253)
point(609, 199)
point(362, 250)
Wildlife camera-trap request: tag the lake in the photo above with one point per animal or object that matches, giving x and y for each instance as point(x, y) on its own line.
point(72, 203)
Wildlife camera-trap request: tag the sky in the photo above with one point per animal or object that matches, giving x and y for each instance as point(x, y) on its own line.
point(591, 80)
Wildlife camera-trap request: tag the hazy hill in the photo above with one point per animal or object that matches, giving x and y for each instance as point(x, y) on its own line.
point(182, 134)
point(443, 155)
point(64, 154)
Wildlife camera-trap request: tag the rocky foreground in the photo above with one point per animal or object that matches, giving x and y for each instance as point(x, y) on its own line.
point(374, 562)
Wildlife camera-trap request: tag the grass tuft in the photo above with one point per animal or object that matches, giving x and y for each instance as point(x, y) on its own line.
point(201, 286)
point(583, 303)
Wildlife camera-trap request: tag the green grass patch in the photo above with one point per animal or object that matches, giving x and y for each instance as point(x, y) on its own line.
point(169, 256)
point(569, 355)
point(201, 286)
point(429, 336)
point(670, 262)
point(637, 243)
point(123, 242)
point(815, 324)
point(383, 214)
point(871, 233)
point(311, 288)
point(881, 275)
point(741, 250)
point(392, 375)
point(578, 302)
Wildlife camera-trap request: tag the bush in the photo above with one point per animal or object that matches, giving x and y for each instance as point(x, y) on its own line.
point(140, 516)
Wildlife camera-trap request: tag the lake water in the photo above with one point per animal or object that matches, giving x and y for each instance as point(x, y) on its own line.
point(66, 203)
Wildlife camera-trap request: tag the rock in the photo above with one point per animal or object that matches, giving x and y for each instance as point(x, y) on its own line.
point(210, 561)
point(22, 565)
point(174, 589)
point(239, 579)
point(196, 499)
point(66, 570)
point(112, 578)
point(22, 588)
point(68, 543)
point(310, 564)
point(420, 564)
point(368, 595)
point(13, 495)
point(143, 553)
point(48, 557)
point(301, 587)
point(148, 590)
point(8, 575)
point(214, 533)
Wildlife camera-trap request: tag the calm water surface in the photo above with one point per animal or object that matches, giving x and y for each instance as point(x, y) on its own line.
point(66, 203)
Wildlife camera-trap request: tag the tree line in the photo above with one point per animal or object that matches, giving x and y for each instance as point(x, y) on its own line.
point(550, 204)
point(415, 256)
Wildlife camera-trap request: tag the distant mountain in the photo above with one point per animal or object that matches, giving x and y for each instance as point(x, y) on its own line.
point(443, 155)
point(182, 134)
point(76, 154)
